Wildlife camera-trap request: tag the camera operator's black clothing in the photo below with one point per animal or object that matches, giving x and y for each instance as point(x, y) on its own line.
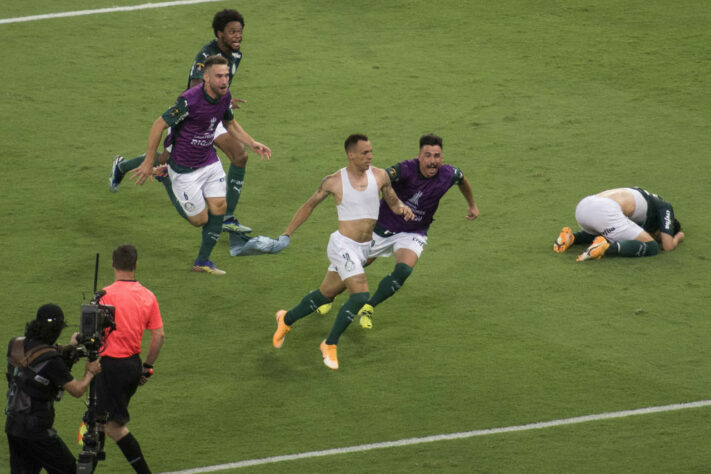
point(116, 384)
point(29, 456)
point(33, 442)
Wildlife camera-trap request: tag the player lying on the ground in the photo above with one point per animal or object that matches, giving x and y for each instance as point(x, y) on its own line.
point(629, 222)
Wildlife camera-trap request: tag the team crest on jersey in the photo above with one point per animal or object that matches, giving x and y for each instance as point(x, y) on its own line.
point(199, 66)
point(211, 128)
point(415, 200)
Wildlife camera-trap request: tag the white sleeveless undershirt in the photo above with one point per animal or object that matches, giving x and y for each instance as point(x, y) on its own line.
point(358, 204)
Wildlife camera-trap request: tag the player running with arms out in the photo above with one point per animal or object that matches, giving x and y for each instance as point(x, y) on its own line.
point(421, 183)
point(196, 174)
point(228, 27)
point(629, 222)
point(355, 189)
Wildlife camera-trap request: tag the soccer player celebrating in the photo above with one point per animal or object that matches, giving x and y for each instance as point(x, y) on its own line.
point(629, 222)
point(196, 174)
point(228, 26)
point(355, 189)
point(420, 183)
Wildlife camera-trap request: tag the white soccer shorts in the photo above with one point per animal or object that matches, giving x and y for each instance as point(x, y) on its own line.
point(192, 188)
point(347, 256)
point(603, 216)
point(386, 246)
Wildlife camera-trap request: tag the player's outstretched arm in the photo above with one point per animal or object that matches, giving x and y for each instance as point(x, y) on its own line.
point(145, 171)
point(303, 213)
point(466, 190)
point(238, 133)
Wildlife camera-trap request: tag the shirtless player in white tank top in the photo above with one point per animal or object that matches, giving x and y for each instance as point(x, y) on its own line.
point(348, 246)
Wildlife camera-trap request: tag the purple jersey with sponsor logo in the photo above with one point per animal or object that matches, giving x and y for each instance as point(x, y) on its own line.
point(420, 194)
point(193, 120)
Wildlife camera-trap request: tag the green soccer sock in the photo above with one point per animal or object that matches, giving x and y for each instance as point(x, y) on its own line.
point(235, 181)
point(390, 284)
point(210, 233)
point(583, 238)
point(131, 164)
point(633, 248)
point(345, 316)
point(169, 189)
point(308, 305)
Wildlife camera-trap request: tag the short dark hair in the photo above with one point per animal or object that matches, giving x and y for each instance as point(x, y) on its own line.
point(431, 139)
point(222, 18)
point(125, 257)
point(214, 60)
point(353, 139)
point(677, 226)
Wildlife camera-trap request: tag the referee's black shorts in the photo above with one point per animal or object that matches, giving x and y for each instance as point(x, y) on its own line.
point(115, 386)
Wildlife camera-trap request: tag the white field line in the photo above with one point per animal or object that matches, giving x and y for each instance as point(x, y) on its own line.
point(145, 6)
point(446, 437)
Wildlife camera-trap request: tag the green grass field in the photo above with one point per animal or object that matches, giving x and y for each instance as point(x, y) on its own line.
point(539, 102)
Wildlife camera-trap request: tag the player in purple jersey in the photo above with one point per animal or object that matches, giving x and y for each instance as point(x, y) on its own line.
point(196, 174)
point(420, 183)
point(228, 26)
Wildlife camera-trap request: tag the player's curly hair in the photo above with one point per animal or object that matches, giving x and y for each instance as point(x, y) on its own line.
point(222, 18)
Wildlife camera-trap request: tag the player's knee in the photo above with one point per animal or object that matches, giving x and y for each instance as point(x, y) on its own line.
point(235, 151)
point(238, 157)
point(401, 272)
point(115, 431)
point(219, 209)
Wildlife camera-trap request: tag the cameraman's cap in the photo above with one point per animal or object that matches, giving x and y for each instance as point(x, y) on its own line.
point(51, 314)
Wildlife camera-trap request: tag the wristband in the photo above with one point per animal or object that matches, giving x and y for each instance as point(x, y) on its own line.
point(147, 370)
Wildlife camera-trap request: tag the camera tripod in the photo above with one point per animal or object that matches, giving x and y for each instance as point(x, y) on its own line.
point(93, 450)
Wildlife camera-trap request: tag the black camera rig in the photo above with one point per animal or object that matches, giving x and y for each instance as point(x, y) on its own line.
point(97, 321)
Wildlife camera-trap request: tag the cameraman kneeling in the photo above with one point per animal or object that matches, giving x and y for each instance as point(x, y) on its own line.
point(37, 373)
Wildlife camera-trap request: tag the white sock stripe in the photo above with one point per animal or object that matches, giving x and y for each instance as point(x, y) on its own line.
point(145, 6)
point(450, 436)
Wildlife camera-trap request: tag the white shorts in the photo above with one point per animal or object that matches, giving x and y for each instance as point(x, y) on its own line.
point(603, 216)
point(192, 188)
point(386, 246)
point(347, 256)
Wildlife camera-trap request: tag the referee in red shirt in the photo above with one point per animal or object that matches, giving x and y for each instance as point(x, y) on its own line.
point(121, 369)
